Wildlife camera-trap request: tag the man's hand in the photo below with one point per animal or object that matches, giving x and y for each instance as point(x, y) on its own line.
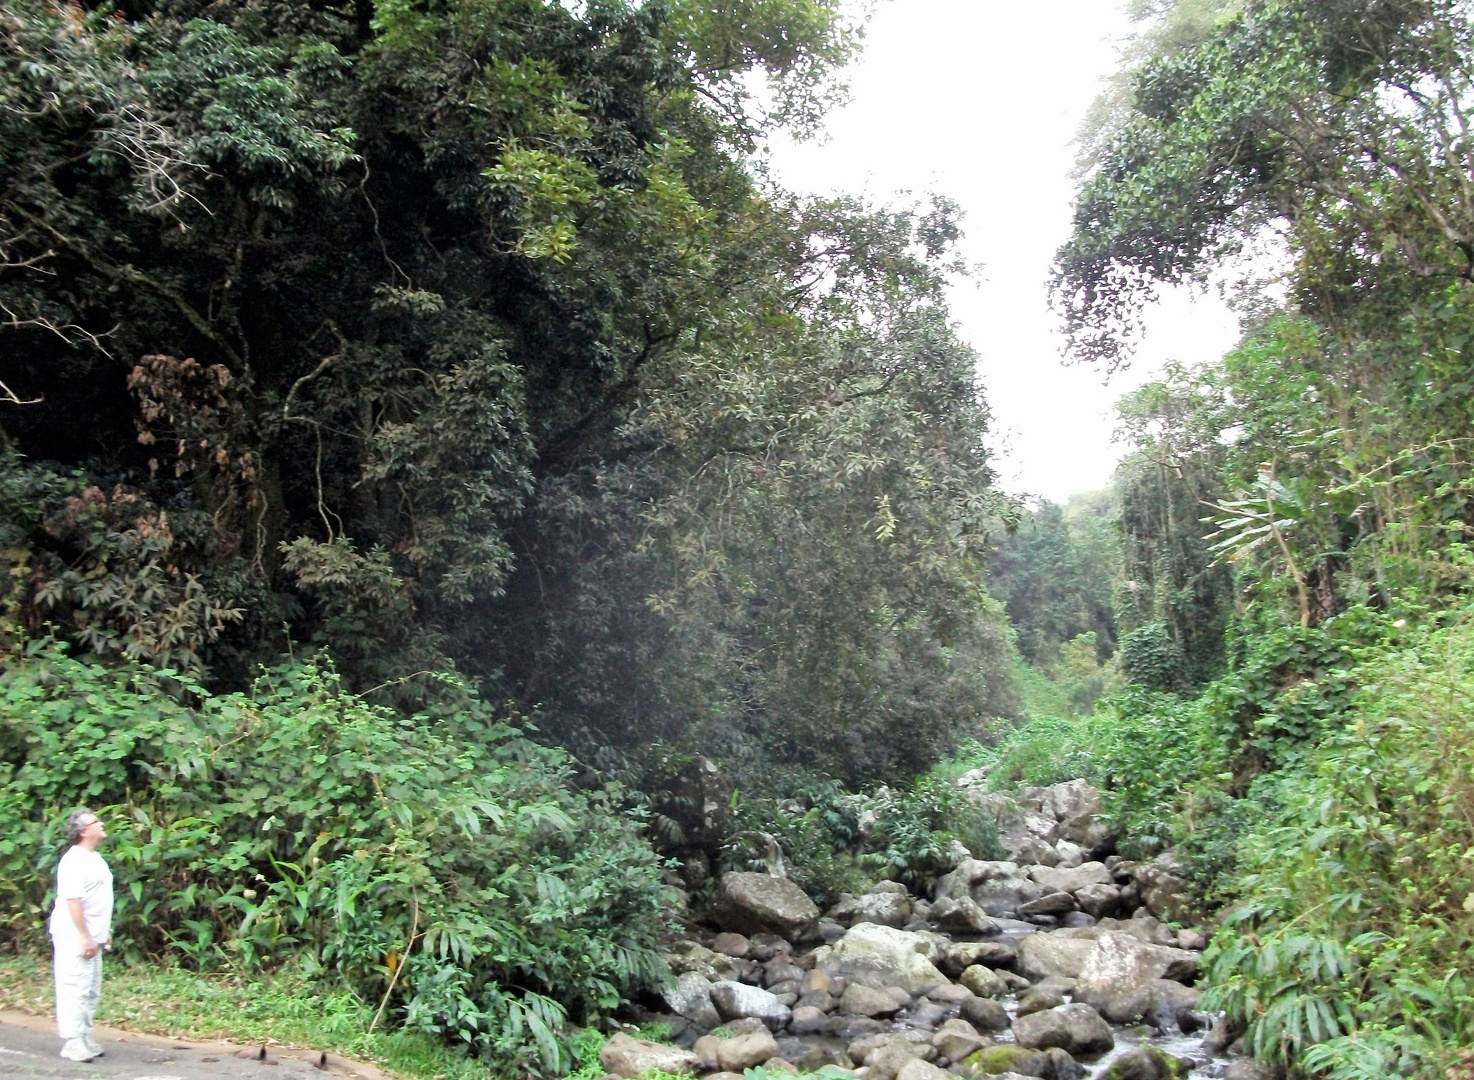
point(89, 949)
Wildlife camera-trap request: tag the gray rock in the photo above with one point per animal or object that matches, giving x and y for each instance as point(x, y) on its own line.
point(781, 969)
point(969, 873)
point(881, 956)
point(830, 931)
point(949, 994)
point(1068, 854)
point(1039, 999)
point(1075, 1028)
point(816, 980)
point(958, 956)
point(862, 1000)
point(735, 945)
point(1061, 952)
point(984, 982)
point(807, 1020)
point(691, 997)
point(1055, 903)
point(1146, 1063)
point(1170, 1003)
point(752, 903)
point(1004, 896)
point(1165, 890)
point(916, 1069)
point(962, 915)
point(737, 1001)
point(1029, 850)
point(627, 1057)
point(882, 908)
point(1117, 974)
point(745, 1051)
point(1100, 900)
point(822, 1000)
point(746, 1025)
point(688, 956)
point(1074, 920)
point(1062, 1066)
point(1071, 879)
point(1250, 1070)
point(1194, 940)
point(985, 1014)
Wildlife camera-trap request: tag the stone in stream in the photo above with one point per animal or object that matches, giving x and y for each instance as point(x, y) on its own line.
point(1062, 1066)
point(745, 1051)
point(984, 982)
point(887, 1061)
point(882, 908)
point(1117, 975)
point(957, 1039)
point(734, 945)
point(691, 997)
point(993, 1060)
point(985, 1013)
point(1099, 900)
point(958, 956)
point(808, 1020)
point(1055, 903)
point(862, 1000)
point(752, 903)
point(1030, 850)
point(962, 915)
point(1070, 879)
point(1146, 1063)
point(736, 1001)
point(1076, 1028)
point(1067, 854)
point(949, 994)
point(916, 1069)
point(1039, 999)
point(1061, 952)
point(881, 956)
point(627, 1057)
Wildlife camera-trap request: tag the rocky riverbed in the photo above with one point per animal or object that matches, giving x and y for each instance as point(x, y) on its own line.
point(1061, 963)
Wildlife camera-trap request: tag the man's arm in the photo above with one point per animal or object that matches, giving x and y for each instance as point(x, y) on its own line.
point(89, 947)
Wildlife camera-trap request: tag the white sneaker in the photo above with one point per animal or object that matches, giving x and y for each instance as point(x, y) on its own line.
point(97, 1051)
point(77, 1050)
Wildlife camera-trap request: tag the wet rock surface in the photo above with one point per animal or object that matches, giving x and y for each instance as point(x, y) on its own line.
point(1056, 963)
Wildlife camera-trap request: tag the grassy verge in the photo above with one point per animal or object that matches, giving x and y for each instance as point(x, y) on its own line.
point(286, 1009)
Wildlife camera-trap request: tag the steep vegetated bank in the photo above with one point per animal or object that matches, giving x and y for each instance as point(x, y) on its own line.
point(456, 347)
point(1295, 519)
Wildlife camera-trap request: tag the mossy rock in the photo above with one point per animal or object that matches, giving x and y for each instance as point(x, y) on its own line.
point(1146, 1063)
point(992, 1060)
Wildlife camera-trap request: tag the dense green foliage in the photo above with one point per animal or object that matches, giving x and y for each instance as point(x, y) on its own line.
point(1295, 518)
point(440, 865)
point(461, 336)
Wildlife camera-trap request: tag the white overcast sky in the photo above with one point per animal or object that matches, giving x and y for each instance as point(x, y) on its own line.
point(980, 100)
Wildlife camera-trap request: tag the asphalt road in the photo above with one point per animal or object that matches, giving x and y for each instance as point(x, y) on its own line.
point(28, 1048)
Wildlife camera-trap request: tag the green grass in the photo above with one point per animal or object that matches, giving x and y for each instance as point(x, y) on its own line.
point(282, 1008)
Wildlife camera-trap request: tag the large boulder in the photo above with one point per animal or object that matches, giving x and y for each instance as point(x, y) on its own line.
point(1075, 1028)
point(861, 1000)
point(752, 903)
point(624, 1056)
point(736, 1001)
point(1062, 801)
point(961, 915)
point(984, 982)
point(1165, 890)
point(1071, 878)
point(881, 956)
point(1099, 901)
point(1029, 850)
point(1146, 1063)
point(1007, 1058)
point(745, 1051)
point(958, 956)
point(1061, 952)
point(690, 996)
point(917, 1069)
point(882, 908)
point(1117, 974)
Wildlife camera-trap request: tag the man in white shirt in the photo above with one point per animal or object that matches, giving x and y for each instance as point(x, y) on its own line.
point(81, 930)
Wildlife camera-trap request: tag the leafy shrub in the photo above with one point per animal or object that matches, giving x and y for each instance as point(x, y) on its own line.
point(838, 840)
point(1349, 954)
point(439, 864)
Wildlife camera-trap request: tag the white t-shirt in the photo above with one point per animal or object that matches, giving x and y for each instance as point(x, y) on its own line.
point(83, 875)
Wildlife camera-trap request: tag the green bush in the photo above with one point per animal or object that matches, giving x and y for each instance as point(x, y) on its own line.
point(440, 864)
point(1348, 955)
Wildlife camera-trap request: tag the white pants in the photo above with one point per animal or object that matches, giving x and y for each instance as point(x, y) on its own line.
point(78, 985)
